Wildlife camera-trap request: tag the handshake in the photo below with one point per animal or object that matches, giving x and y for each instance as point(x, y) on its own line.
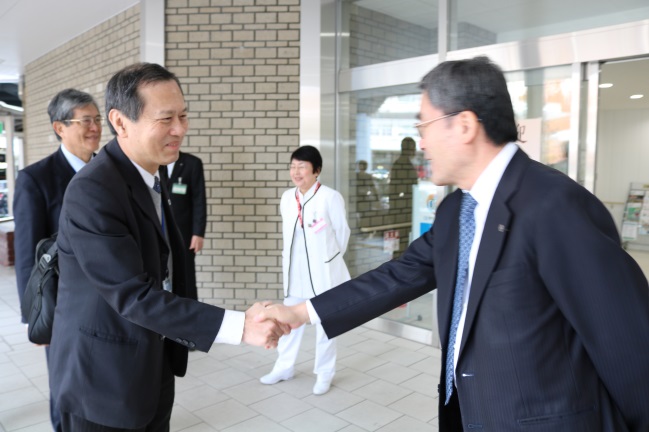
point(266, 322)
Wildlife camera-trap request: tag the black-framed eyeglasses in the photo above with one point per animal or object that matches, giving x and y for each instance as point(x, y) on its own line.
point(87, 121)
point(422, 125)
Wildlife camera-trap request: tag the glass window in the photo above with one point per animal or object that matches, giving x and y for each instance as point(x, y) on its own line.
point(390, 197)
point(541, 100)
point(476, 23)
point(386, 179)
point(381, 31)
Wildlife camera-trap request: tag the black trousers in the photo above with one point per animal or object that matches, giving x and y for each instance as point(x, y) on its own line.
point(159, 423)
point(55, 415)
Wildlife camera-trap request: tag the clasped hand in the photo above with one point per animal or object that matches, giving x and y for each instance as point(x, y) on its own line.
point(267, 322)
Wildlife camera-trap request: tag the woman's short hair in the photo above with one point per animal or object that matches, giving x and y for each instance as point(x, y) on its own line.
point(308, 153)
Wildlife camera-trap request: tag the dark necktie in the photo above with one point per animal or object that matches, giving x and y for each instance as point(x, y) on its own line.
point(467, 231)
point(157, 198)
point(156, 184)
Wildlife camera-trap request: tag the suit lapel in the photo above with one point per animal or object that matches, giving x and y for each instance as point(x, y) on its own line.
point(176, 244)
point(447, 238)
point(178, 169)
point(139, 189)
point(493, 238)
point(65, 174)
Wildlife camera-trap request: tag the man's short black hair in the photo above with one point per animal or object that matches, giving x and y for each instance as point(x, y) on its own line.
point(122, 91)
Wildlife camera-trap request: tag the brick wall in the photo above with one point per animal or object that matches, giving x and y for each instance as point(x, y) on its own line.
point(86, 63)
point(238, 61)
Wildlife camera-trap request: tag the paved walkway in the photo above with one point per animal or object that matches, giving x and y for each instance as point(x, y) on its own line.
point(383, 383)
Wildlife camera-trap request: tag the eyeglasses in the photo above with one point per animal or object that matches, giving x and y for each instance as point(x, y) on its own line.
point(300, 167)
point(87, 121)
point(422, 125)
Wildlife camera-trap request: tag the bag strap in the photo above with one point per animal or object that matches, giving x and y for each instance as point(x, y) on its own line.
point(50, 259)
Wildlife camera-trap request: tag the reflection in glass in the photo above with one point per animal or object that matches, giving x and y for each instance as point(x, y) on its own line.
point(384, 168)
point(391, 199)
point(474, 24)
point(381, 31)
point(542, 102)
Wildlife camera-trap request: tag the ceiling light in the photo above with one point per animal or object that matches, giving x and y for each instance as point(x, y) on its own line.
point(636, 96)
point(606, 85)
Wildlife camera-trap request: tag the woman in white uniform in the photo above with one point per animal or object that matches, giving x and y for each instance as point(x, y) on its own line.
point(315, 233)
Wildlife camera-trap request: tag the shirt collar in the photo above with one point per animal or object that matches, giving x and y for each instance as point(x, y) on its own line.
point(146, 175)
point(73, 160)
point(170, 168)
point(308, 193)
point(484, 188)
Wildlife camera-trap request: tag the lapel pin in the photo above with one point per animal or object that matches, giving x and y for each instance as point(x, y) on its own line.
point(502, 228)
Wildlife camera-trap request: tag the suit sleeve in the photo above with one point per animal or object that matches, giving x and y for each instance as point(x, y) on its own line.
point(199, 203)
point(378, 291)
point(98, 229)
point(30, 223)
point(603, 294)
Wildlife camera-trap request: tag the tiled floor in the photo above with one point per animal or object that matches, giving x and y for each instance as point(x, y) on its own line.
point(383, 383)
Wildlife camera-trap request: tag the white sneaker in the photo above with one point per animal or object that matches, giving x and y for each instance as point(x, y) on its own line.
point(322, 386)
point(274, 377)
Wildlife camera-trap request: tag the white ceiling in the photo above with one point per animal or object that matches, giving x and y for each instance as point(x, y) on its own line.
point(628, 78)
point(31, 28)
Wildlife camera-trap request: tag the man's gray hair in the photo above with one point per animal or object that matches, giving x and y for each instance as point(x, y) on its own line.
point(62, 106)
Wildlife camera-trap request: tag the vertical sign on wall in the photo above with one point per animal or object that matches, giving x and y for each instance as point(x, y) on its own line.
point(391, 241)
point(424, 206)
point(529, 137)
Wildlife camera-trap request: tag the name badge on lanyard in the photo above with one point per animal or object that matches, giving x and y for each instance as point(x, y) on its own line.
point(179, 188)
point(299, 206)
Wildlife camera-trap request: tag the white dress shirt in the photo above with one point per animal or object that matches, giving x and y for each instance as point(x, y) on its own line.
point(73, 160)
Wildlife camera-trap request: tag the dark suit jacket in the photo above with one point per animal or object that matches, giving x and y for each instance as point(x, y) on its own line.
point(556, 336)
point(190, 208)
point(107, 346)
point(38, 198)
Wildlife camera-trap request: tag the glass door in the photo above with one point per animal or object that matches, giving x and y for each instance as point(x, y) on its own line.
point(621, 173)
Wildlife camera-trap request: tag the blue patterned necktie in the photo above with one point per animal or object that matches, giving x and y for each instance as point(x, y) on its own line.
point(156, 184)
point(467, 231)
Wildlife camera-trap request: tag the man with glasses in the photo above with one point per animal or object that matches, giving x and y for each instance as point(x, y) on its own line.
point(40, 187)
point(543, 317)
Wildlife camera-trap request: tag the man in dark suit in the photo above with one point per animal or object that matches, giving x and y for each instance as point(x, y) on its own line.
point(125, 315)
point(543, 317)
point(403, 176)
point(40, 187)
point(186, 186)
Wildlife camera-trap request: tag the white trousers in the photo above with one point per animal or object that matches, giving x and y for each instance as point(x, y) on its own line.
point(289, 345)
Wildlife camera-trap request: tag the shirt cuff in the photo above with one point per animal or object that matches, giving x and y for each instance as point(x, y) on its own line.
point(314, 318)
point(231, 331)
